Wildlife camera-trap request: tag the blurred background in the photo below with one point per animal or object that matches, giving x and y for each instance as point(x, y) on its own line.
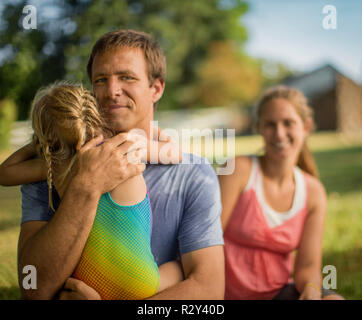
point(221, 54)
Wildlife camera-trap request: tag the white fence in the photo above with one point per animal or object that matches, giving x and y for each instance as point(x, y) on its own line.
point(210, 118)
point(20, 134)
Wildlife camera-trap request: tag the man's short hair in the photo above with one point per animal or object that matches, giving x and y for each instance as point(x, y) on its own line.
point(155, 59)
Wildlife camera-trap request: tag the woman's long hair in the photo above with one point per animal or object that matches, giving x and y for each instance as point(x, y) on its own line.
point(299, 101)
point(64, 117)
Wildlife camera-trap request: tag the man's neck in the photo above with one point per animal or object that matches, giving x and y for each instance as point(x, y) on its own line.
point(147, 128)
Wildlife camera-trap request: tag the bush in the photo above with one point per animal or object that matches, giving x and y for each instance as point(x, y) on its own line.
point(7, 118)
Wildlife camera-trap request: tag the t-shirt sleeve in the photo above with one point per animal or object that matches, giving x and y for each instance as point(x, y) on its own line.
point(201, 225)
point(35, 203)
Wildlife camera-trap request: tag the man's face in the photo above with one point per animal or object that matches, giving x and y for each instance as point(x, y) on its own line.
point(122, 88)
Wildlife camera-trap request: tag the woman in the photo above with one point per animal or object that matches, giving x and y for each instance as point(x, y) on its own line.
point(274, 204)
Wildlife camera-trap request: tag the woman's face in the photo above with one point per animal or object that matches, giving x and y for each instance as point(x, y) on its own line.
point(282, 128)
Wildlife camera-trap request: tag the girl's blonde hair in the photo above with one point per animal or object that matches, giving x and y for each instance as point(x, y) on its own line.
point(299, 101)
point(64, 117)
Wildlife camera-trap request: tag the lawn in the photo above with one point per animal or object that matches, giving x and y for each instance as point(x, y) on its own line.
point(340, 162)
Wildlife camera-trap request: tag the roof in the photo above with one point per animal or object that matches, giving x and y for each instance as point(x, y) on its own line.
point(316, 82)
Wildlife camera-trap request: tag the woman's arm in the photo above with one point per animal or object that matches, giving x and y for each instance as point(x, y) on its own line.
point(309, 257)
point(231, 185)
point(20, 168)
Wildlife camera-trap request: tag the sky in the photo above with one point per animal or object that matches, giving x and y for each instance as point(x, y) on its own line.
point(291, 31)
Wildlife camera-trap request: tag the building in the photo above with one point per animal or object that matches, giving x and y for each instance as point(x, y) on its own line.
point(335, 99)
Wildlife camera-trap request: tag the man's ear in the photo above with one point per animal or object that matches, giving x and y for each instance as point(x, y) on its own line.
point(158, 87)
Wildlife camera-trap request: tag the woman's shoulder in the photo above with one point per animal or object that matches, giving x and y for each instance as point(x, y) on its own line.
point(243, 164)
point(244, 161)
point(313, 183)
point(315, 190)
point(242, 171)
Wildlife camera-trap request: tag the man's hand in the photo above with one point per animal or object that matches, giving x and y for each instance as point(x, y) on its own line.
point(75, 289)
point(103, 167)
point(55, 247)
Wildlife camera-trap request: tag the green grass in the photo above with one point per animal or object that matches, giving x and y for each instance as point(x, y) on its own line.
point(341, 169)
point(342, 245)
point(10, 215)
point(340, 163)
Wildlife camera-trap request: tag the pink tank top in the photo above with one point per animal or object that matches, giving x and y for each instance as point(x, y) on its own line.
point(259, 242)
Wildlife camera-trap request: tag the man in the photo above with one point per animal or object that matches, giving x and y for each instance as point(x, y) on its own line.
point(127, 72)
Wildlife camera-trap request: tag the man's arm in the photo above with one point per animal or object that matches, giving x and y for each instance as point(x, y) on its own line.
point(200, 241)
point(205, 276)
point(54, 248)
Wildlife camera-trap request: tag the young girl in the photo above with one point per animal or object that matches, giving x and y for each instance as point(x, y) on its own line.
point(274, 204)
point(117, 261)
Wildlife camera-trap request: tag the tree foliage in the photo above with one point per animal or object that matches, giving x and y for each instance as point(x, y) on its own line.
point(32, 58)
point(228, 77)
point(7, 117)
point(59, 48)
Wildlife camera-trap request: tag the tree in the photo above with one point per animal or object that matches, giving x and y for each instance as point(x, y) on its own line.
point(60, 46)
point(274, 72)
point(184, 28)
point(228, 77)
point(33, 57)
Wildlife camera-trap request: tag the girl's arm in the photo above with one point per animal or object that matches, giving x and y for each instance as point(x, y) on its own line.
point(163, 152)
point(162, 149)
point(307, 274)
point(130, 192)
point(21, 168)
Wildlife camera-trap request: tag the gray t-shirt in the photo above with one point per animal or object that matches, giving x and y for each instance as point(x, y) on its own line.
point(185, 203)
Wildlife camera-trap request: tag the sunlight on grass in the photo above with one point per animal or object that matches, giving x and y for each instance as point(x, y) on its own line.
point(244, 145)
point(10, 215)
point(343, 228)
point(339, 159)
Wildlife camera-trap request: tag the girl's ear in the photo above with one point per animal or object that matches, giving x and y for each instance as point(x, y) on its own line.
point(158, 87)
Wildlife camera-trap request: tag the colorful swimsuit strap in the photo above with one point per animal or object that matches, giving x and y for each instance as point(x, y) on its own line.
point(117, 260)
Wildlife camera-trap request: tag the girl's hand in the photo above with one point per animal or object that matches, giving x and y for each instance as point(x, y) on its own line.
point(311, 292)
point(160, 149)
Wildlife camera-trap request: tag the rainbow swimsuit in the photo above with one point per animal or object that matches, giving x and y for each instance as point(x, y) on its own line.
point(117, 260)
